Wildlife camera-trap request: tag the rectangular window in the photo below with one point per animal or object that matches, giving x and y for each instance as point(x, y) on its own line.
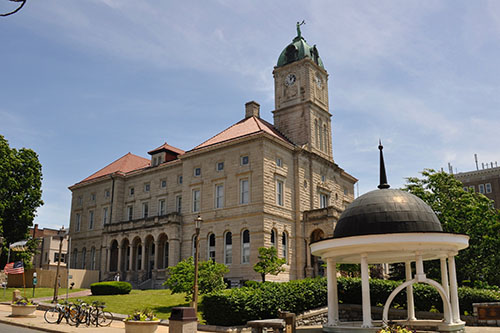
point(78, 222)
point(244, 160)
point(106, 193)
point(178, 204)
point(244, 191)
point(481, 188)
point(145, 209)
point(279, 192)
point(197, 172)
point(488, 188)
point(472, 188)
point(163, 183)
point(323, 200)
point(146, 187)
point(155, 161)
point(130, 212)
point(219, 196)
point(105, 215)
point(161, 207)
point(91, 219)
point(92, 197)
point(196, 200)
point(279, 163)
point(323, 178)
point(131, 191)
point(220, 166)
point(179, 179)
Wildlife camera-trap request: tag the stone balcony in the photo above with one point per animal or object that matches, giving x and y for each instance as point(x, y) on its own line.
point(143, 223)
point(322, 214)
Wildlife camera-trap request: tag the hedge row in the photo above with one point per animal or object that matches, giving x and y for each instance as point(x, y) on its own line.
point(110, 288)
point(263, 300)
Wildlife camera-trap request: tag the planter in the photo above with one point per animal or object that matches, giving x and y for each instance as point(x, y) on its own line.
point(23, 310)
point(132, 326)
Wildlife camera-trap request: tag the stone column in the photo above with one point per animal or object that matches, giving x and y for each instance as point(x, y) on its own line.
point(444, 276)
point(119, 261)
point(409, 292)
point(333, 299)
point(365, 290)
point(455, 311)
point(143, 255)
point(309, 268)
point(131, 256)
point(108, 260)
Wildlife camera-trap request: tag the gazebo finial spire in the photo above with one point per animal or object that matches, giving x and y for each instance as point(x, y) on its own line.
point(383, 178)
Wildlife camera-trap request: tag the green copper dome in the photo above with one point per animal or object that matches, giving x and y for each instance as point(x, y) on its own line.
point(298, 50)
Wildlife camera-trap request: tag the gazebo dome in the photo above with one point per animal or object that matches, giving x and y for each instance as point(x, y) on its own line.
point(385, 211)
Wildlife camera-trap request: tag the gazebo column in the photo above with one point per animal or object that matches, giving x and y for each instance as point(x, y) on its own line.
point(444, 276)
point(409, 292)
point(455, 311)
point(365, 292)
point(333, 299)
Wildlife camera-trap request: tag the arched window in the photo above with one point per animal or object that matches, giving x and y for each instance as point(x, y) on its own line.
point(273, 238)
point(211, 247)
point(165, 255)
point(321, 139)
point(316, 131)
point(228, 248)
point(325, 135)
point(284, 247)
point(92, 258)
point(245, 247)
point(84, 257)
point(75, 258)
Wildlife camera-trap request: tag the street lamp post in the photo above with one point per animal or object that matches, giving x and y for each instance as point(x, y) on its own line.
point(197, 222)
point(61, 233)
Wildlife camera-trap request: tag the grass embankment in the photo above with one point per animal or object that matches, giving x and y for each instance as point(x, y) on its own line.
point(161, 301)
point(39, 292)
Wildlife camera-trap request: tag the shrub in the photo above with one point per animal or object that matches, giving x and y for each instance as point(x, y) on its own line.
point(110, 288)
point(263, 300)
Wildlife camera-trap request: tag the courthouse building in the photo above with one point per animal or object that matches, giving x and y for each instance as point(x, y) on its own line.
point(254, 184)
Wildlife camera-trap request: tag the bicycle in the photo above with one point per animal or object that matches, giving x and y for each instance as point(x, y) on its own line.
point(61, 311)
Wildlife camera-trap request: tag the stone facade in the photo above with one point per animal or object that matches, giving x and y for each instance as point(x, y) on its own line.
point(272, 186)
point(485, 181)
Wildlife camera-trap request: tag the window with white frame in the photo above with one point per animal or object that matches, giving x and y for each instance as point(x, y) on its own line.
point(105, 215)
point(488, 188)
point(78, 222)
point(323, 200)
point(147, 187)
point(211, 247)
point(244, 160)
point(91, 219)
point(279, 192)
point(220, 166)
point(481, 188)
point(197, 172)
point(245, 247)
point(130, 212)
point(219, 196)
point(145, 209)
point(228, 248)
point(178, 204)
point(273, 238)
point(161, 207)
point(196, 200)
point(284, 245)
point(244, 191)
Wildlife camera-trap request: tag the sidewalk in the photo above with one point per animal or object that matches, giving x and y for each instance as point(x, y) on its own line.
point(82, 293)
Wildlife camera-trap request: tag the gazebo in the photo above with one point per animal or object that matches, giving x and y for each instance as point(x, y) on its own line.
point(391, 226)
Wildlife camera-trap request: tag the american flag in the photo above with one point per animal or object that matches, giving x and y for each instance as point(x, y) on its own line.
point(14, 268)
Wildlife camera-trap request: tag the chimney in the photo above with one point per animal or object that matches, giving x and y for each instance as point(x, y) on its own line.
point(35, 231)
point(252, 109)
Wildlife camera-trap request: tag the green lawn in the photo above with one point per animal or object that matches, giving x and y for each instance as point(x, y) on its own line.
point(39, 292)
point(161, 301)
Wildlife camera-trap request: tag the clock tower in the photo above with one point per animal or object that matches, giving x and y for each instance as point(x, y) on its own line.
point(301, 97)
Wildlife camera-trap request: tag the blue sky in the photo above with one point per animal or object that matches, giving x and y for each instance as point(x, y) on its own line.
point(84, 82)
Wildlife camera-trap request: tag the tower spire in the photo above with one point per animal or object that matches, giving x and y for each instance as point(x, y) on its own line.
point(383, 178)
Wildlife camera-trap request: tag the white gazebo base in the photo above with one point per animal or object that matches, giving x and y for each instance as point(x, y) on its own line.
point(421, 325)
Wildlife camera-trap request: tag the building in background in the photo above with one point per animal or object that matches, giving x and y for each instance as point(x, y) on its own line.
point(47, 254)
point(485, 181)
point(254, 184)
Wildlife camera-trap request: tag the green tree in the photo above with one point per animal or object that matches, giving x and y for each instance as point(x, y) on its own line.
point(20, 195)
point(269, 263)
point(210, 277)
point(463, 212)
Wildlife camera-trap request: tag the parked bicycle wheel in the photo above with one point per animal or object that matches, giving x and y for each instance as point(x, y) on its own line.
point(105, 318)
point(51, 315)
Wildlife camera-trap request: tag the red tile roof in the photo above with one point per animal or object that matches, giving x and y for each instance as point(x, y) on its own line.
point(124, 164)
point(167, 147)
point(247, 126)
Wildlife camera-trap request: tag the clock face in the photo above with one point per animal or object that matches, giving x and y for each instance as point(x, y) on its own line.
point(290, 79)
point(319, 82)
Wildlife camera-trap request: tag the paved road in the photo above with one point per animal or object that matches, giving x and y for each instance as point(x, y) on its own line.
point(4, 328)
